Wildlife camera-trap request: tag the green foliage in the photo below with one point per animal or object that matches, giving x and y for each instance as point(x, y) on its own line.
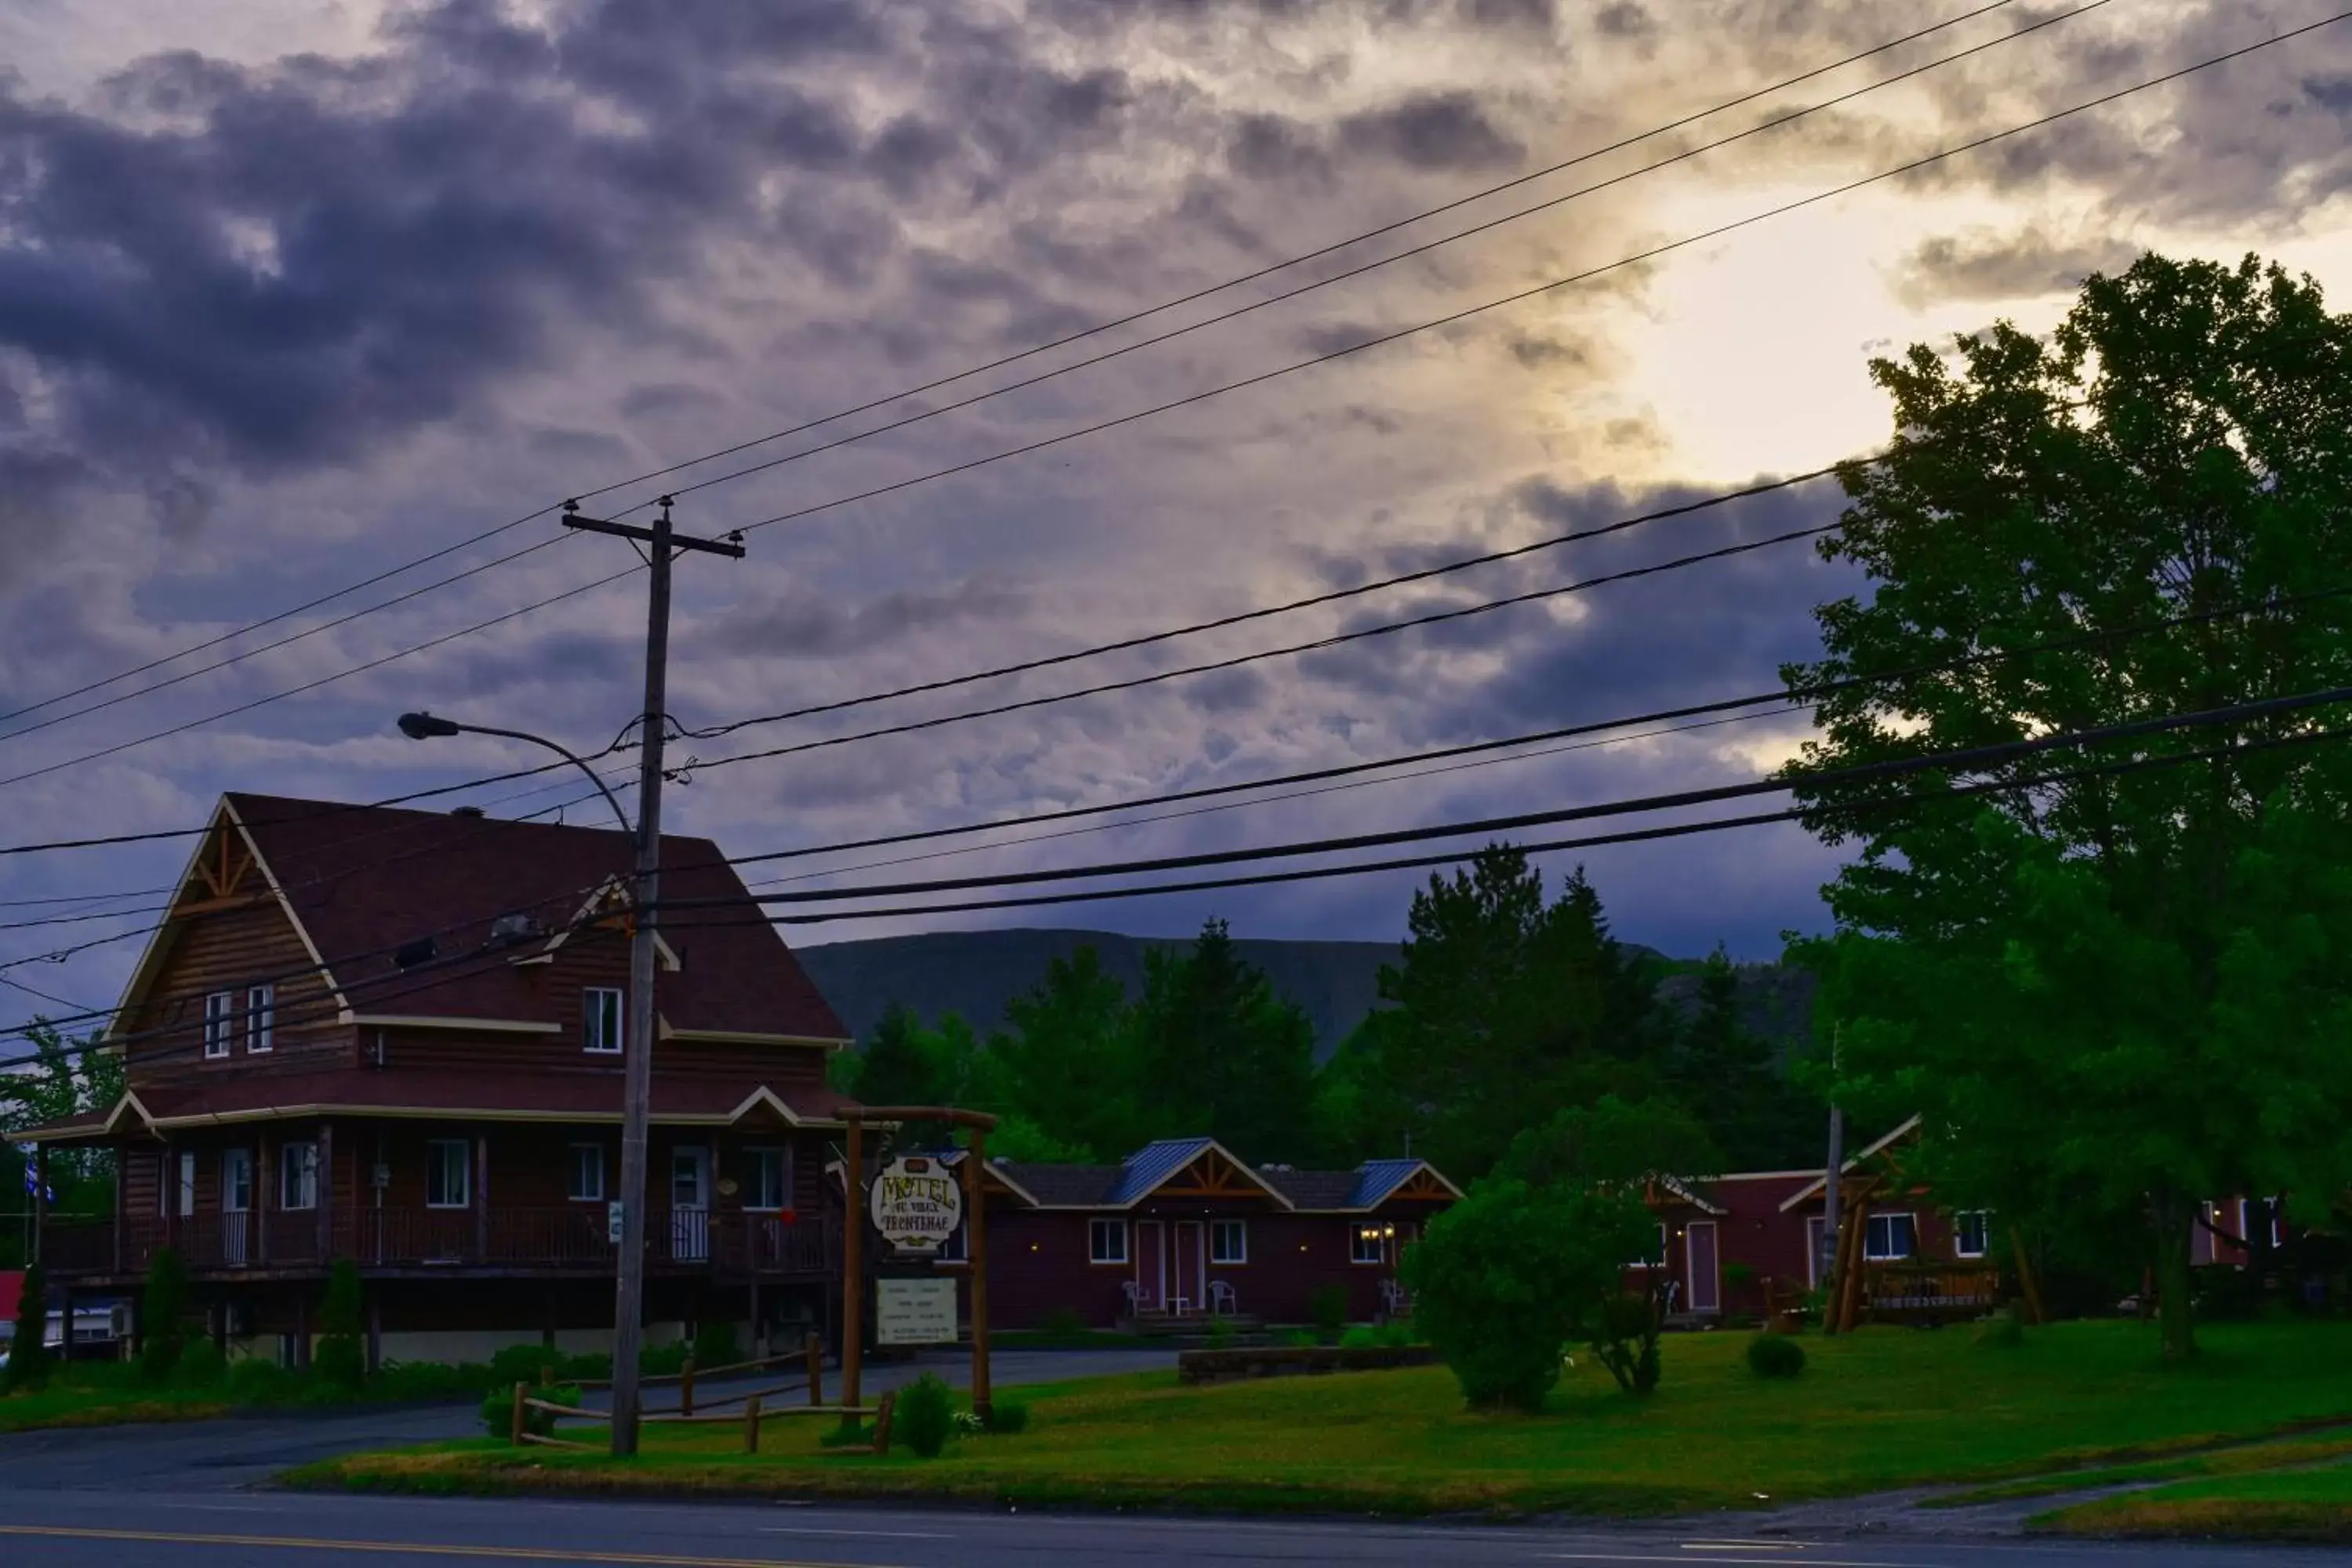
point(857, 1436)
point(1219, 1052)
point(1735, 1274)
point(1502, 1006)
point(341, 1360)
point(1068, 1064)
point(1775, 1355)
point(1301, 1339)
point(202, 1364)
point(715, 1344)
point(255, 1381)
point(28, 1352)
point(1362, 1337)
point(162, 1312)
point(525, 1363)
point(66, 1074)
point(1008, 1418)
point(430, 1380)
point(498, 1409)
point(1723, 1072)
point(1328, 1306)
point(1220, 1333)
point(2130, 989)
point(659, 1360)
point(924, 1417)
point(1503, 1280)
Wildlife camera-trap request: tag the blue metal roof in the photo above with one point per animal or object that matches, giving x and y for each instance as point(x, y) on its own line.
point(1152, 1164)
point(1376, 1179)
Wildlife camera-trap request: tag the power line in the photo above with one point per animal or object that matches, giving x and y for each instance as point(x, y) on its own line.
point(1313, 601)
point(998, 363)
point(1335, 640)
point(1376, 264)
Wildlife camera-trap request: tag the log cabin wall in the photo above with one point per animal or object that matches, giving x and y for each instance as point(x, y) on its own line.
point(231, 951)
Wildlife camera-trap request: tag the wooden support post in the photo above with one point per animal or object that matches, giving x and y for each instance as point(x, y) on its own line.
point(975, 1221)
point(751, 1425)
point(881, 1422)
point(814, 1350)
point(2025, 1278)
point(685, 1384)
point(1858, 1253)
point(515, 1421)
point(852, 1264)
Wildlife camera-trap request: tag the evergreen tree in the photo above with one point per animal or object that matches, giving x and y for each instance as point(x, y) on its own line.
point(28, 1354)
point(1068, 1063)
point(1723, 1073)
point(1220, 1053)
point(163, 1316)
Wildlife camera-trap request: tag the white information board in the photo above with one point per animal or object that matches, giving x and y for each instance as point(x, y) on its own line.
point(916, 1312)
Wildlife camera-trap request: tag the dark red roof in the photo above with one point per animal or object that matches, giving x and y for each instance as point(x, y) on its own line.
point(365, 880)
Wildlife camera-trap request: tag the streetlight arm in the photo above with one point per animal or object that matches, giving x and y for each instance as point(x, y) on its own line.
point(429, 724)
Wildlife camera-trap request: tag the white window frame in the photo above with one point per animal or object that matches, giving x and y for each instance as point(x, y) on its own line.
point(581, 1154)
point(464, 1169)
point(220, 1013)
point(261, 1019)
point(183, 1174)
point(756, 1162)
point(594, 1010)
point(297, 1177)
point(1097, 1254)
point(1378, 1235)
point(1870, 1252)
point(1221, 1257)
point(1983, 1218)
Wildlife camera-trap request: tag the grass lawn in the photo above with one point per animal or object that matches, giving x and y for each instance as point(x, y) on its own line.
point(80, 1405)
point(2281, 1505)
point(1883, 1408)
point(2239, 1460)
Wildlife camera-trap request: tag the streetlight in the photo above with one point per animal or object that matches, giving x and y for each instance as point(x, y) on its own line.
point(637, 1063)
point(432, 726)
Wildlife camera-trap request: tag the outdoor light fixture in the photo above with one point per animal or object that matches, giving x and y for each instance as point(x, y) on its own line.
point(421, 726)
point(425, 727)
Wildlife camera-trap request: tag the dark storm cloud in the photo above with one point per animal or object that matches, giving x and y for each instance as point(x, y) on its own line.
point(1999, 265)
point(1447, 131)
point(803, 624)
point(1625, 19)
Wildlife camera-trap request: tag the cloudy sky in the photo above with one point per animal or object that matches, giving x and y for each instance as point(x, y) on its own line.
point(293, 294)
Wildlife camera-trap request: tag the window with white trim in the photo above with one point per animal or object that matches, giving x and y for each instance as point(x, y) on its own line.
point(220, 1013)
point(260, 1018)
point(187, 1183)
point(1369, 1243)
point(587, 1174)
point(297, 1177)
point(1105, 1241)
point(448, 1173)
point(1970, 1229)
point(1229, 1241)
point(766, 1179)
point(600, 1030)
point(1890, 1238)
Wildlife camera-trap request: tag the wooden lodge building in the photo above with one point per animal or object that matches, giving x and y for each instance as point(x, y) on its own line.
point(1181, 1228)
point(394, 1036)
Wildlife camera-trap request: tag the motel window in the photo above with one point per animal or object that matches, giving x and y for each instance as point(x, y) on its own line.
point(601, 1028)
point(1891, 1237)
point(260, 1018)
point(1229, 1241)
point(220, 1009)
point(297, 1177)
point(587, 1172)
point(764, 1180)
point(448, 1173)
point(1105, 1241)
point(1970, 1230)
point(1369, 1243)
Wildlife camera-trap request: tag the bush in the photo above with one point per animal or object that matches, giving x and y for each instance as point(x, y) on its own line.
point(715, 1345)
point(1328, 1306)
point(924, 1416)
point(200, 1366)
point(1301, 1339)
point(162, 1312)
point(339, 1361)
point(1220, 1333)
point(1397, 1333)
point(1062, 1323)
point(1775, 1355)
point(498, 1410)
point(523, 1364)
point(254, 1381)
point(28, 1356)
point(1009, 1419)
point(662, 1360)
point(1361, 1338)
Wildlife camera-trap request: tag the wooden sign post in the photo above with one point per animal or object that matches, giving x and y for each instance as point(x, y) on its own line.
point(853, 1244)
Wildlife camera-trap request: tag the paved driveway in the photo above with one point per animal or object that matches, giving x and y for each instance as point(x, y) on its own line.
point(243, 1450)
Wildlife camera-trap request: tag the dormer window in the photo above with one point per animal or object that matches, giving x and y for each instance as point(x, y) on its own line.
point(220, 1009)
point(601, 1029)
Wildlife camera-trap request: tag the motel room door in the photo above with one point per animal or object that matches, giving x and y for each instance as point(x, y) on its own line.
point(1150, 1266)
point(1704, 1277)
point(1189, 1289)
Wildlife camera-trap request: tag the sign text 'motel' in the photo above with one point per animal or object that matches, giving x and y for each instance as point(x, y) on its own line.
point(916, 1202)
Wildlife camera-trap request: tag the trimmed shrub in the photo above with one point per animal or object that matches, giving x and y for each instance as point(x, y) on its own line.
point(162, 1312)
point(1010, 1419)
point(340, 1362)
point(1775, 1355)
point(715, 1345)
point(662, 1360)
point(200, 1366)
point(522, 1363)
point(1329, 1308)
point(1362, 1337)
point(254, 1381)
point(925, 1416)
point(1220, 1333)
point(28, 1354)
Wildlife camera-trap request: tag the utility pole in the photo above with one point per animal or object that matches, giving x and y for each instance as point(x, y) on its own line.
point(638, 1062)
point(1827, 1263)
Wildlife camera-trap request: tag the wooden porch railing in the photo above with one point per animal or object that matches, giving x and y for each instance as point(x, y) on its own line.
point(1912, 1288)
point(571, 1237)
